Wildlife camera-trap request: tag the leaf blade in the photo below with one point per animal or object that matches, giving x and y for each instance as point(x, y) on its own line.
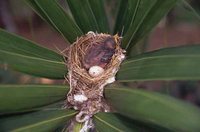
point(125, 16)
point(117, 122)
point(89, 15)
point(83, 15)
point(164, 64)
point(51, 12)
point(25, 56)
point(139, 18)
point(47, 120)
point(154, 108)
point(98, 9)
point(111, 122)
point(38, 95)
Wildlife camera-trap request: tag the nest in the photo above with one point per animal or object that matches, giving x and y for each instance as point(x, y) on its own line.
point(86, 91)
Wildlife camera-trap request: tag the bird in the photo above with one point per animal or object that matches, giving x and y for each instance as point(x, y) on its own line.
point(100, 54)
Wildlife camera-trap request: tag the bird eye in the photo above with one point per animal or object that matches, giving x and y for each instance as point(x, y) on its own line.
point(107, 56)
point(105, 59)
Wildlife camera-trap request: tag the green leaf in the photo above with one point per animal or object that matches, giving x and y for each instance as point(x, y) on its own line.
point(20, 98)
point(176, 63)
point(51, 11)
point(98, 9)
point(127, 11)
point(154, 108)
point(139, 17)
point(78, 126)
point(47, 120)
point(74, 127)
point(89, 15)
point(116, 122)
point(111, 123)
point(25, 56)
point(190, 9)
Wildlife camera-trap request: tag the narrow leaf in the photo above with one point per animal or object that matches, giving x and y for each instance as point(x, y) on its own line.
point(51, 11)
point(155, 108)
point(164, 64)
point(98, 9)
point(126, 13)
point(47, 120)
point(186, 5)
point(17, 98)
point(116, 122)
point(25, 56)
point(112, 123)
point(72, 126)
point(83, 15)
point(89, 15)
point(140, 17)
point(78, 126)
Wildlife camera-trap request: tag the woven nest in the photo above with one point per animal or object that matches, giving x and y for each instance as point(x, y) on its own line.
point(86, 91)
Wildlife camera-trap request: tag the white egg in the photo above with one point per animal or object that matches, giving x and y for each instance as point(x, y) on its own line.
point(96, 71)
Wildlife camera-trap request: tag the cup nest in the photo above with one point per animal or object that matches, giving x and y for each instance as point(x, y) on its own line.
point(86, 91)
